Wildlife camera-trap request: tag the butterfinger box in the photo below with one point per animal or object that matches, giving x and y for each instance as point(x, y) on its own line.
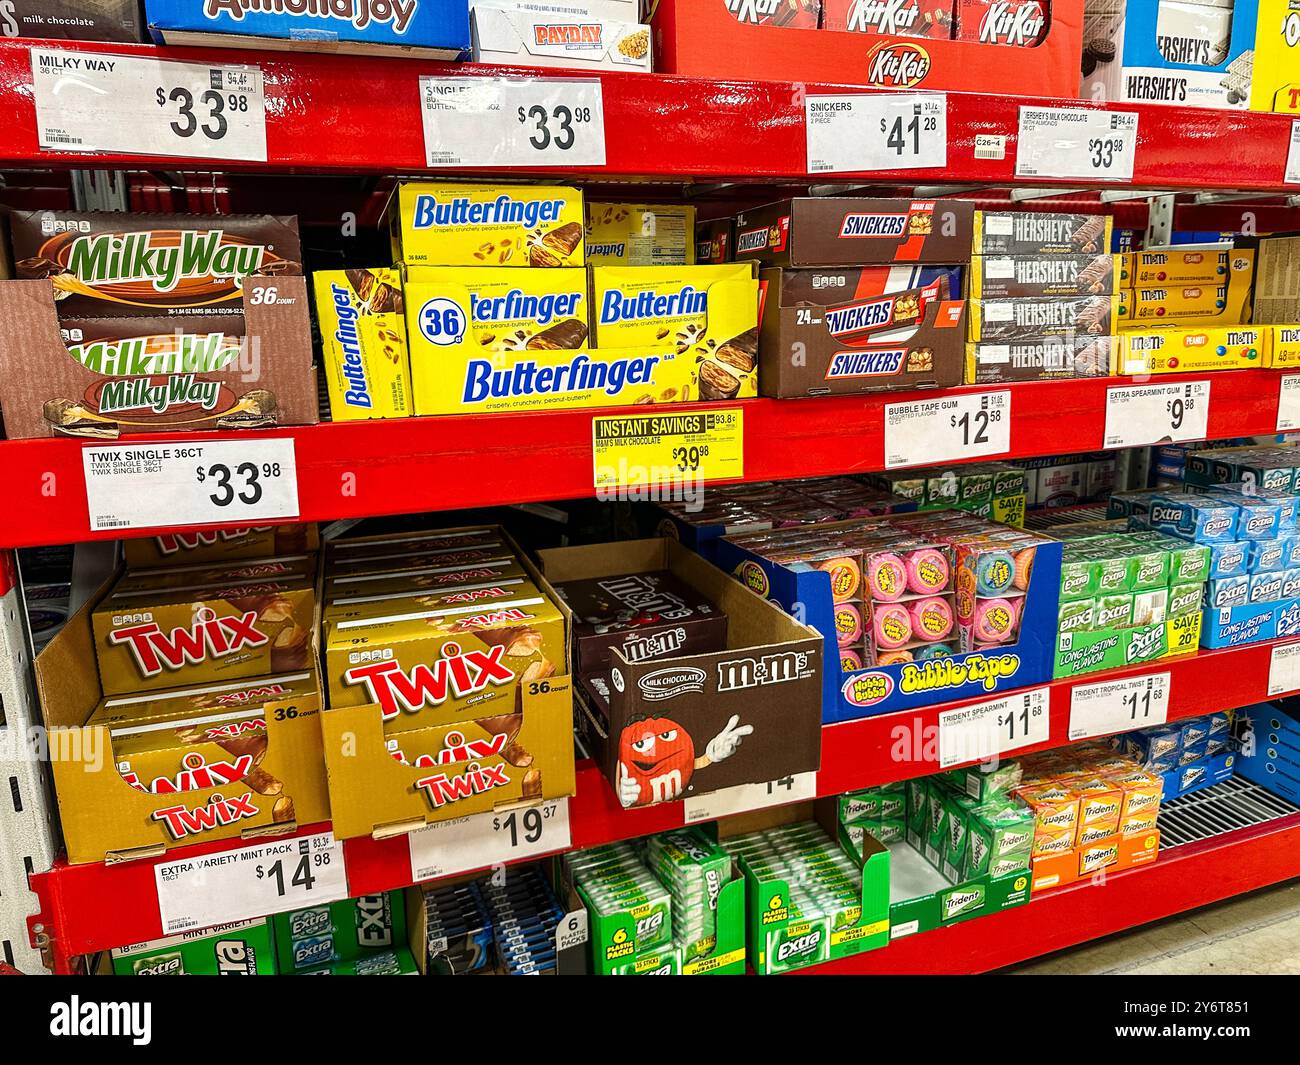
point(363, 343)
point(675, 306)
point(433, 224)
point(639, 234)
point(151, 638)
point(848, 231)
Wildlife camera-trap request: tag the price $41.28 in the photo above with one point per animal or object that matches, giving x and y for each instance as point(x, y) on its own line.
point(904, 135)
point(244, 482)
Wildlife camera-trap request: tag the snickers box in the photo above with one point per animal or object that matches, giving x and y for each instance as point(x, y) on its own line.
point(1044, 359)
point(1038, 233)
point(1021, 276)
point(861, 330)
point(644, 615)
point(1034, 318)
point(108, 265)
point(894, 18)
point(849, 231)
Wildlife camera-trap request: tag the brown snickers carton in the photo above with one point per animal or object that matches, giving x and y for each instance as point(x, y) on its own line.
point(106, 265)
point(849, 231)
point(1045, 316)
point(862, 329)
point(713, 240)
point(1016, 276)
point(1045, 359)
point(72, 20)
point(644, 615)
point(148, 638)
point(1040, 233)
point(186, 548)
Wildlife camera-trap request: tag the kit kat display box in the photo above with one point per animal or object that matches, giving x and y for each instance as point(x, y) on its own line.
point(915, 608)
point(684, 725)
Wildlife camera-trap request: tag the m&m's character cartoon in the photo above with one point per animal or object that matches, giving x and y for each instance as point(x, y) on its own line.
point(656, 758)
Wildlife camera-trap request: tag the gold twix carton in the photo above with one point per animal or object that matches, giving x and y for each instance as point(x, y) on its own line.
point(184, 548)
point(148, 638)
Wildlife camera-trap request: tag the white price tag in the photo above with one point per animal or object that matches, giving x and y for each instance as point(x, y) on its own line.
point(1076, 142)
point(1118, 705)
point(947, 429)
point(250, 882)
point(743, 797)
point(892, 131)
point(210, 482)
point(985, 730)
point(1156, 414)
point(504, 122)
point(1292, 176)
point(1284, 669)
point(572, 931)
point(93, 102)
point(478, 841)
point(1288, 403)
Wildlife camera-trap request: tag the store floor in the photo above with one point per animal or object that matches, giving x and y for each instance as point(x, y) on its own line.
point(1257, 934)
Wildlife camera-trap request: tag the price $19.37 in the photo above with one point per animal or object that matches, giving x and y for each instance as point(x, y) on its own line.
point(243, 482)
point(524, 826)
point(205, 115)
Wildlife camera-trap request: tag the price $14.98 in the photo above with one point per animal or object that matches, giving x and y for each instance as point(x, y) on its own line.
point(302, 876)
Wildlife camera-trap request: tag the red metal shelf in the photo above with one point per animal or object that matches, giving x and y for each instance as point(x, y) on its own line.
point(361, 469)
point(1196, 874)
point(87, 908)
point(321, 115)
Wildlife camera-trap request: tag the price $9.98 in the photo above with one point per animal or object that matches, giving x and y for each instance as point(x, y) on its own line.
point(206, 115)
point(553, 126)
point(244, 482)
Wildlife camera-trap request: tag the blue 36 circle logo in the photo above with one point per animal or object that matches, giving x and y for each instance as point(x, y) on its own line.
point(442, 321)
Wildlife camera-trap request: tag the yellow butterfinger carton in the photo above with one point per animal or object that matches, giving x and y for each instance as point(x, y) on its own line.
point(435, 224)
point(1274, 77)
point(640, 234)
point(680, 307)
point(363, 343)
point(1190, 350)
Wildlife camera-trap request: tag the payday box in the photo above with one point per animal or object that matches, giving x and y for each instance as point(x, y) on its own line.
point(431, 29)
point(461, 763)
point(922, 898)
point(1086, 652)
point(860, 329)
point(908, 685)
point(107, 819)
point(1187, 54)
point(767, 682)
point(1231, 626)
point(1194, 776)
point(1110, 854)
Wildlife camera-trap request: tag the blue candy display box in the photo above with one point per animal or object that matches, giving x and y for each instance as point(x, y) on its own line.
point(1231, 626)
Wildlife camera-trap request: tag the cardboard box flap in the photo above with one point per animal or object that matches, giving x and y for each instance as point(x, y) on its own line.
point(67, 678)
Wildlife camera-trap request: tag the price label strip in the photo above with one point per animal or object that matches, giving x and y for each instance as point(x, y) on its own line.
point(1118, 705)
point(1288, 403)
point(493, 838)
point(216, 482)
point(668, 450)
point(1076, 142)
point(948, 428)
point(505, 122)
point(1284, 669)
point(744, 797)
point(1156, 414)
point(892, 131)
point(986, 730)
point(94, 102)
point(250, 882)
point(1292, 173)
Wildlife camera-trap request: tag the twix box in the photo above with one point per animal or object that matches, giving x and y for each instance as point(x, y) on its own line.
point(434, 224)
point(428, 603)
point(148, 638)
point(249, 569)
point(218, 545)
point(418, 579)
point(363, 343)
point(112, 264)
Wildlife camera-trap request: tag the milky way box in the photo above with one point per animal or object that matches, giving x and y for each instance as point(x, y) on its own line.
point(72, 20)
point(644, 615)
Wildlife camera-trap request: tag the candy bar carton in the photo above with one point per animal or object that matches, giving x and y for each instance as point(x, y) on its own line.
point(429, 29)
point(252, 569)
point(1213, 266)
point(640, 234)
point(363, 343)
point(860, 329)
point(1016, 23)
point(676, 306)
point(1038, 275)
point(1187, 54)
point(141, 773)
point(1003, 320)
point(476, 696)
point(1002, 234)
point(432, 606)
point(245, 948)
point(683, 725)
point(1185, 305)
point(220, 545)
point(73, 20)
point(586, 35)
point(908, 18)
point(1043, 359)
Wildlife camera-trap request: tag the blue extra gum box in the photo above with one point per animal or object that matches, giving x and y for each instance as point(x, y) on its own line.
point(915, 609)
point(433, 29)
point(1203, 519)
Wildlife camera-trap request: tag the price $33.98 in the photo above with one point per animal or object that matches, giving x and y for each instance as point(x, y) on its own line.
point(244, 482)
point(207, 115)
point(554, 126)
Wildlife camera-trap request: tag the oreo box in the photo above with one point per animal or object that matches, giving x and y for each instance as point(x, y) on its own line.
point(433, 29)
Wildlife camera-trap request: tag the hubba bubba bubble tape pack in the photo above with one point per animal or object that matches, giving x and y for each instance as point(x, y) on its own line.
point(915, 608)
point(445, 702)
point(139, 323)
point(433, 29)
